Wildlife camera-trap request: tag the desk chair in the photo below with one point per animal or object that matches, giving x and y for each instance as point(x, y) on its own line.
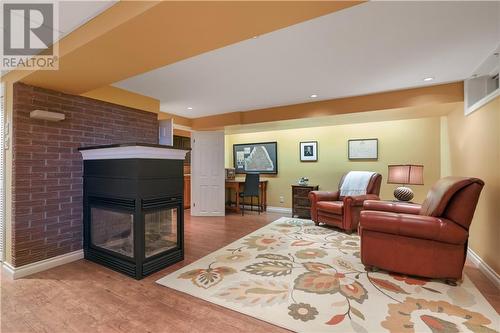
point(252, 181)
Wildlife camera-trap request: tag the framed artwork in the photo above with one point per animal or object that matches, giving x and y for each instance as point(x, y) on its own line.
point(362, 149)
point(309, 151)
point(256, 157)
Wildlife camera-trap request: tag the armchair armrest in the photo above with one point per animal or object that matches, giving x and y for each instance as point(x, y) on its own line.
point(358, 200)
point(394, 207)
point(316, 196)
point(415, 226)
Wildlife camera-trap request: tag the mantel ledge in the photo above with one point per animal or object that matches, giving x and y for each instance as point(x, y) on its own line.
point(128, 152)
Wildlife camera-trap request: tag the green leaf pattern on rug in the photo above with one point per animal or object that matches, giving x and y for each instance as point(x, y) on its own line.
point(269, 268)
point(310, 253)
point(206, 278)
point(357, 313)
point(256, 292)
point(272, 256)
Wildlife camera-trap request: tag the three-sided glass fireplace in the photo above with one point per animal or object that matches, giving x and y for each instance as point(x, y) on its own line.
point(133, 213)
point(113, 230)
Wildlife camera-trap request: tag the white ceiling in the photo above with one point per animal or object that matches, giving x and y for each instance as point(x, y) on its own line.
point(72, 14)
point(373, 47)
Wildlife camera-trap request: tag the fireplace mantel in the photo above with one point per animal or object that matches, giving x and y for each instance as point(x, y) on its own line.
point(132, 150)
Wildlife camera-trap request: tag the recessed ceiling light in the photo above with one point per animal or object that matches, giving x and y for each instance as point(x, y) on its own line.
point(313, 96)
point(254, 37)
point(427, 79)
point(189, 108)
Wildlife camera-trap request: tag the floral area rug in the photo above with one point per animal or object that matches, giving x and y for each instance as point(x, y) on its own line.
point(305, 278)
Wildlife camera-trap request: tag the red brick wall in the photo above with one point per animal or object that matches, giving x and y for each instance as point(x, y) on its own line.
point(47, 167)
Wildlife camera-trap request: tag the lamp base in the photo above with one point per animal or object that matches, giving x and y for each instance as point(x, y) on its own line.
point(403, 193)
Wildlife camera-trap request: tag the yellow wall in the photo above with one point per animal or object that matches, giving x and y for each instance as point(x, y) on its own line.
point(401, 141)
point(474, 144)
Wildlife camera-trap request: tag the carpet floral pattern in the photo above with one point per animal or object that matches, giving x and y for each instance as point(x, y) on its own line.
point(309, 278)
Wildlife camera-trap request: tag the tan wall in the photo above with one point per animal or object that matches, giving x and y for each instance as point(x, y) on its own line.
point(475, 151)
point(401, 141)
point(124, 97)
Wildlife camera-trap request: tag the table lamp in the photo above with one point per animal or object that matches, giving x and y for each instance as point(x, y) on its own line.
point(408, 174)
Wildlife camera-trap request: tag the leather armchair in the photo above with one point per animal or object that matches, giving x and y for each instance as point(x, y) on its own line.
point(342, 211)
point(427, 240)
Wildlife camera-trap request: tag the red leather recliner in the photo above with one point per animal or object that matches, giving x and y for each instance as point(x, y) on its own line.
point(342, 211)
point(428, 240)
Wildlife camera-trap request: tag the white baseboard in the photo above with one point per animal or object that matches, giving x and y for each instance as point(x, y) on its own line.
point(12, 272)
point(281, 210)
point(484, 267)
point(271, 209)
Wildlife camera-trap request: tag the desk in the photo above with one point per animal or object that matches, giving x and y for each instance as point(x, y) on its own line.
point(237, 185)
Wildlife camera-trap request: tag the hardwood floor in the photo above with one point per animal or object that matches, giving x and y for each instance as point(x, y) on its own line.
point(85, 297)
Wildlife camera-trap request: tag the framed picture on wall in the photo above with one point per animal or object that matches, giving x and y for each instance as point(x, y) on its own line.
point(362, 149)
point(256, 157)
point(308, 151)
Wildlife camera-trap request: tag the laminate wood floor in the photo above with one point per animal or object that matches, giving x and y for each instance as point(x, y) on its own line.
point(86, 297)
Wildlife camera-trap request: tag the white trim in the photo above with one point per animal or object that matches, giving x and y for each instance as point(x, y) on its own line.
point(484, 267)
point(12, 272)
point(182, 127)
point(281, 210)
point(133, 152)
point(3, 170)
point(270, 209)
point(483, 101)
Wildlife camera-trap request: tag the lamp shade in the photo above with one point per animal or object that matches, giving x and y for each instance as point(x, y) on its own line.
point(406, 174)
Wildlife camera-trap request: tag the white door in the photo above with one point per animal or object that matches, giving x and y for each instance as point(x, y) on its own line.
point(207, 174)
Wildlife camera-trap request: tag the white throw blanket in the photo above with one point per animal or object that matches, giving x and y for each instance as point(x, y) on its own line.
point(355, 183)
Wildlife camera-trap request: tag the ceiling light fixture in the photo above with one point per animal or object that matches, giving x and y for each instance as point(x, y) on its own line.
point(313, 96)
point(189, 108)
point(427, 79)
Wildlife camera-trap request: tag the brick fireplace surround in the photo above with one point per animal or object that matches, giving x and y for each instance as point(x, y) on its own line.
point(47, 167)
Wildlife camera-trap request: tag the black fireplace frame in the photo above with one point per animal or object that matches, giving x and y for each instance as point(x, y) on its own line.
point(136, 186)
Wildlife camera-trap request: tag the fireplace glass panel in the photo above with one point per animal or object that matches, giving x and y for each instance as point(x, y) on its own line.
point(112, 230)
point(160, 231)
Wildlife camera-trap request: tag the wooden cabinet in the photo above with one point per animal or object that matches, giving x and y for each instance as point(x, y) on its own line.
point(301, 206)
point(187, 192)
point(183, 142)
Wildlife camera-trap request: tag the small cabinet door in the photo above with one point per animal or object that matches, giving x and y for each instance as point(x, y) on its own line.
point(187, 192)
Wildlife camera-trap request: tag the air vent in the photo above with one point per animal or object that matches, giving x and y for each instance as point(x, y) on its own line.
point(124, 203)
point(159, 202)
